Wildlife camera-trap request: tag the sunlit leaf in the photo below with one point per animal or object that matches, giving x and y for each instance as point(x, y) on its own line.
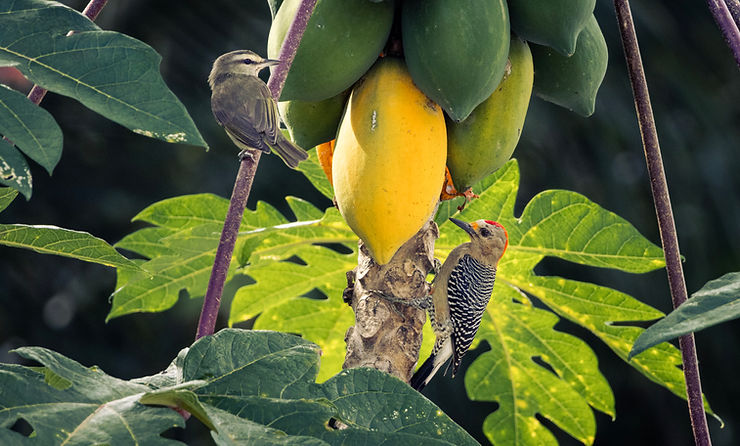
point(63, 242)
point(533, 369)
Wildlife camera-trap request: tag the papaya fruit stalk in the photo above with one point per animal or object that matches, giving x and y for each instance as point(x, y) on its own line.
point(387, 336)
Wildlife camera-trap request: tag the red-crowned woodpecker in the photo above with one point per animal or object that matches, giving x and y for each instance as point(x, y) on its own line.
point(460, 293)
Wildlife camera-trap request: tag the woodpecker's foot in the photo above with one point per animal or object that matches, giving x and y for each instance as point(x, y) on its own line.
point(421, 303)
point(246, 153)
point(436, 266)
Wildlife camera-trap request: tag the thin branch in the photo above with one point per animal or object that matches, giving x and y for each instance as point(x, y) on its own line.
point(734, 6)
point(727, 24)
point(91, 11)
point(244, 179)
point(664, 212)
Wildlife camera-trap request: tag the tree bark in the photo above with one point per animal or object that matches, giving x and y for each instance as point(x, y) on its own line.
point(387, 336)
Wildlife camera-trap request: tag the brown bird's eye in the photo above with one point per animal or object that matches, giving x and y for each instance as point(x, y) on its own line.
point(485, 232)
point(247, 61)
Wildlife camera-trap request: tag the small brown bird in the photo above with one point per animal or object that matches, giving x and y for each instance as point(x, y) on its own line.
point(243, 105)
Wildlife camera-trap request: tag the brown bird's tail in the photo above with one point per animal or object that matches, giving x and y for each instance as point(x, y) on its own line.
point(289, 152)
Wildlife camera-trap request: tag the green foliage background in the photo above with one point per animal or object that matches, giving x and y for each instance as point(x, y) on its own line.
point(107, 175)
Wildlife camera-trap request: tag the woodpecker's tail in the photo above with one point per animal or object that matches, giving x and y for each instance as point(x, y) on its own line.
point(289, 152)
point(430, 367)
point(419, 380)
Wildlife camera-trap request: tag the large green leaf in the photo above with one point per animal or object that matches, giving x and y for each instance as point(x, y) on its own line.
point(182, 246)
point(111, 73)
point(248, 387)
point(66, 403)
point(716, 302)
point(267, 379)
point(532, 368)
point(63, 242)
point(31, 128)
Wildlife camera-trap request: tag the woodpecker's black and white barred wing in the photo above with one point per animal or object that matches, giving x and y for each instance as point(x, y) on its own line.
point(468, 291)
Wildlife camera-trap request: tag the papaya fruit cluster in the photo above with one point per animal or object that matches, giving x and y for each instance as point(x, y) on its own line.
point(395, 93)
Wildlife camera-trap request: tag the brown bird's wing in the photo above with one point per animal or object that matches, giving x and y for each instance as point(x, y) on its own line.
point(250, 120)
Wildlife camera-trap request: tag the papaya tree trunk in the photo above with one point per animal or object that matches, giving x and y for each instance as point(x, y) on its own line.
point(386, 335)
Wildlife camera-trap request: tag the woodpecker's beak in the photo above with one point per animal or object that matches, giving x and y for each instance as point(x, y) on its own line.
point(467, 227)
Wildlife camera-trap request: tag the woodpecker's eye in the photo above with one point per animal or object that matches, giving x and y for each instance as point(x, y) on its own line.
point(485, 232)
point(248, 61)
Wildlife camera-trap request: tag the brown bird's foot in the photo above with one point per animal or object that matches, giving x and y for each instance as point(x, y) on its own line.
point(246, 154)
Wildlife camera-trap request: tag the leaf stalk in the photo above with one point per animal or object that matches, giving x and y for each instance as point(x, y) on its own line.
point(728, 22)
point(666, 223)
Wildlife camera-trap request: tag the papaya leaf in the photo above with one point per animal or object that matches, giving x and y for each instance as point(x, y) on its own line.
point(31, 128)
point(266, 382)
point(66, 403)
point(64, 242)
point(14, 170)
point(182, 245)
point(532, 368)
point(110, 73)
point(7, 195)
point(716, 302)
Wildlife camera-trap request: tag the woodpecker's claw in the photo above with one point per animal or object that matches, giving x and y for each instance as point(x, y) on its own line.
point(436, 266)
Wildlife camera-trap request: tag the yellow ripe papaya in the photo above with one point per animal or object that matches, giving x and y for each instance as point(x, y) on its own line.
point(389, 159)
point(479, 145)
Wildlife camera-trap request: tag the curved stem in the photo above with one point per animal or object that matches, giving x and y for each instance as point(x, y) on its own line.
point(734, 7)
point(91, 11)
point(727, 24)
point(244, 179)
point(664, 212)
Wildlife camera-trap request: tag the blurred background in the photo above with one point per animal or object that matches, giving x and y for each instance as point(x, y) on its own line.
point(108, 174)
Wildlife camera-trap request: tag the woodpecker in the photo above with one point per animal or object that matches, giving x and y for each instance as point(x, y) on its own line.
point(244, 106)
point(460, 293)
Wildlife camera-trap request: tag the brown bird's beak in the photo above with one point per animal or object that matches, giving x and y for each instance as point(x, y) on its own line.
point(270, 62)
point(465, 226)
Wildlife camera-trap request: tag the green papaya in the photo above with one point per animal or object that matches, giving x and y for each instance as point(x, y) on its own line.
point(342, 41)
point(313, 123)
point(554, 23)
point(456, 51)
point(479, 145)
point(572, 82)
